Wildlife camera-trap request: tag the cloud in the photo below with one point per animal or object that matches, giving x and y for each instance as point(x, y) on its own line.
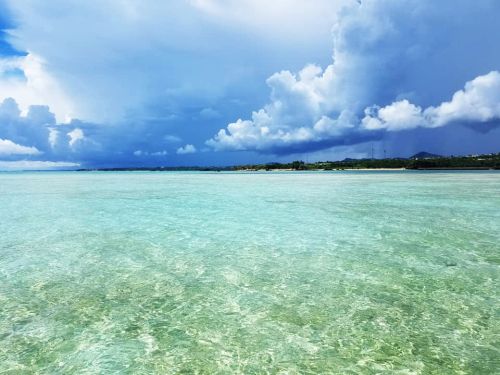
point(187, 149)
point(31, 129)
point(37, 132)
point(397, 116)
point(147, 153)
point(75, 136)
point(383, 53)
point(260, 16)
point(132, 89)
point(35, 165)
point(8, 147)
point(155, 69)
point(294, 99)
point(478, 102)
point(33, 84)
point(263, 133)
point(151, 52)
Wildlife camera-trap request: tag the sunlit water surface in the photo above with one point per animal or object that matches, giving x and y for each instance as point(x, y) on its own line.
point(225, 273)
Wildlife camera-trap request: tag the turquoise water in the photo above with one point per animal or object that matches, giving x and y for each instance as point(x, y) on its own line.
point(272, 273)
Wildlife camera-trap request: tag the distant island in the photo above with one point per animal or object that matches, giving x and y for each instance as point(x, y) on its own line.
point(419, 161)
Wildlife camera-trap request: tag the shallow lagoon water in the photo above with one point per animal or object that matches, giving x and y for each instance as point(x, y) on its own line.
point(226, 273)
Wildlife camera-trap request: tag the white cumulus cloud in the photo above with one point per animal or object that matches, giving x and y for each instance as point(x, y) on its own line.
point(35, 86)
point(478, 102)
point(187, 149)
point(383, 53)
point(7, 147)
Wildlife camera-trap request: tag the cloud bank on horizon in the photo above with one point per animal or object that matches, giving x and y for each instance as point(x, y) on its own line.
point(378, 46)
point(276, 128)
point(141, 83)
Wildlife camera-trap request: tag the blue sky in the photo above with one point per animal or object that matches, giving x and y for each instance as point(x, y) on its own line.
point(221, 82)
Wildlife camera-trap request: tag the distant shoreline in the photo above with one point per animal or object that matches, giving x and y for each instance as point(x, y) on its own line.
point(422, 161)
point(419, 162)
point(321, 170)
point(276, 170)
point(250, 171)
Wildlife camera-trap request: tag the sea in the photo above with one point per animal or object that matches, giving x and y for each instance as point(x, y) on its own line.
point(339, 272)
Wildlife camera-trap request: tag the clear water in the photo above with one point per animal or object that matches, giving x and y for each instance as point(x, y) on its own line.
point(225, 273)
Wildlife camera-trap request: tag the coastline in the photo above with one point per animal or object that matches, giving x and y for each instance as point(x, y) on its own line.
point(433, 163)
point(321, 170)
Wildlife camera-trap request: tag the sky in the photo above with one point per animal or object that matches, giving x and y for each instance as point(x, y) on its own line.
point(130, 83)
